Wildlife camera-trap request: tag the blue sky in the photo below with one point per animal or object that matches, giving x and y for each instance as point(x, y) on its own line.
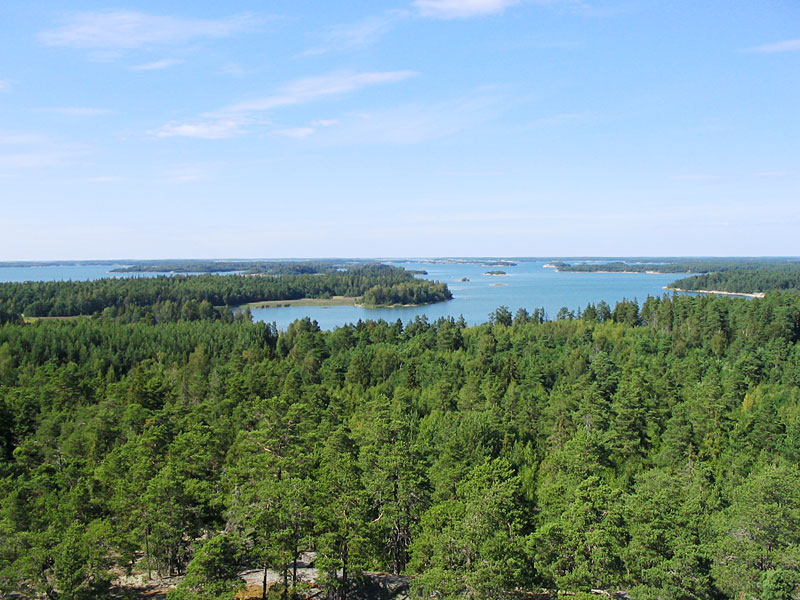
point(406, 128)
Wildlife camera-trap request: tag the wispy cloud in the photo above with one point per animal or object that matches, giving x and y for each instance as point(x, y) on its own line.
point(324, 122)
point(232, 120)
point(563, 118)
point(233, 69)
point(461, 9)
point(22, 139)
point(359, 34)
point(209, 129)
point(100, 179)
point(784, 46)
point(187, 173)
point(296, 132)
point(409, 124)
point(309, 89)
point(26, 150)
point(28, 160)
point(768, 174)
point(697, 177)
point(131, 29)
point(76, 111)
point(157, 65)
point(5, 85)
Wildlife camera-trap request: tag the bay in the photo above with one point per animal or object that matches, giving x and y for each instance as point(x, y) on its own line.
point(527, 285)
point(64, 273)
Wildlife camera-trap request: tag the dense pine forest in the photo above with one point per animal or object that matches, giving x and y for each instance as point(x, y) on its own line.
point(204, 296)
point(681, 265)
point(653, 452)
point(275, 267)
point(745, 281)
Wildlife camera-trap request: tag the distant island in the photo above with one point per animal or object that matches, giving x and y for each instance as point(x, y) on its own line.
point(743, 281)
point(496, 273)
point(470, 261)
point(675, 265)
point(212, 296)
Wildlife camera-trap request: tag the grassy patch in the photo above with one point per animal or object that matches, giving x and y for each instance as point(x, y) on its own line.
point(34, 319)
point(335, 301)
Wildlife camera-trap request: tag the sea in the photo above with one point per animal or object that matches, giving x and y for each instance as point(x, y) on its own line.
point(527, 284)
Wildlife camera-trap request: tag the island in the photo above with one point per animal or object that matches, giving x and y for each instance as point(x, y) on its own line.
point(754, 282)
point(191, 297)
point(496, 273)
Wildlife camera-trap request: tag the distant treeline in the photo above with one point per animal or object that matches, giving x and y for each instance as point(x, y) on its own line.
point(744, 281)
point(680, 266)
point(284, 267)
point(192, 297)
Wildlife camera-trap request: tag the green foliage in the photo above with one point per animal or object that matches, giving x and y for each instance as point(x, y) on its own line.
point(649, 450)
point(204, 297)
point(472, 546)
point(212, 574)
point(745, 281)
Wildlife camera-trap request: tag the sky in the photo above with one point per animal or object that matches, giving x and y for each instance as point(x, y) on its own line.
point(298, 128)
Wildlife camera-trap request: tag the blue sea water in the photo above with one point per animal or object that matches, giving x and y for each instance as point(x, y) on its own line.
point(527, 285)
point(64, 273)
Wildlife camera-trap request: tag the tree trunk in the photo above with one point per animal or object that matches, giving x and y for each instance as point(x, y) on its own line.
point(264, 584)
point(294, 570)
point(344, 572)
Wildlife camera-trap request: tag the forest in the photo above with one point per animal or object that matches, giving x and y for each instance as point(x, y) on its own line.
point(682, 265)
point(281, 267)
point(745, 281)
point(650, 452)
point(202, 296)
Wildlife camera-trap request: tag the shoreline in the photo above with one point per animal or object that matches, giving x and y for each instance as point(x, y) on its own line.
point(626, 272)
point(720, 292)
point(324, 302)
point(335, 301)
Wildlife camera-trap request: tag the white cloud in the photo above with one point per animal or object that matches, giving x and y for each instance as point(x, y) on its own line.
point(309, 89)
point(5, 85)
point(563, 118)
point(324, 122)
point(356, 35)
point(8, 137)
point(767, 174)
point(33, 150)
point(410, 124)
point(157, 65)
point(784, 46)
point(212, 129)
point(187, 173)
point(77, 111)
point(100, 179)
point(233, 69)
point(297, 132)
point(461, 9)
point(697, 177)
point(231, 120)
point(29, 160)
point(131, 29)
